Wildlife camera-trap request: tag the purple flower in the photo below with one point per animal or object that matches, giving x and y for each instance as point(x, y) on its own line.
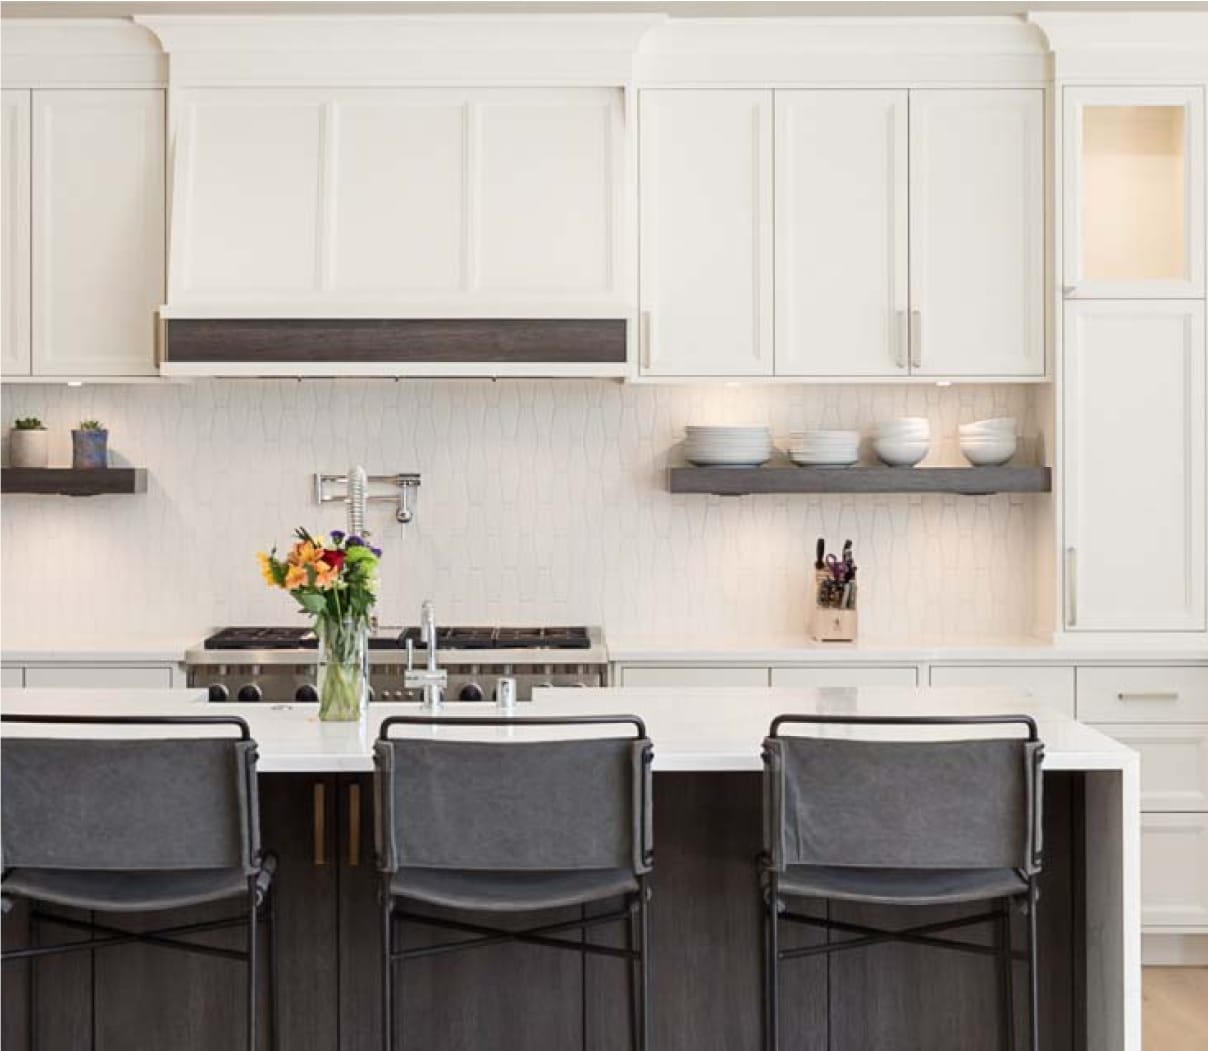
point(355, 541)
point(337, 535)
point(377, 551)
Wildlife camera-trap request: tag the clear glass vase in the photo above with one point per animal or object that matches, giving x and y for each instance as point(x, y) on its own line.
point(343, 680)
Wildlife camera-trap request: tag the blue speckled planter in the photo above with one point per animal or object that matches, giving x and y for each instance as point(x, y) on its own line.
point(89, 449)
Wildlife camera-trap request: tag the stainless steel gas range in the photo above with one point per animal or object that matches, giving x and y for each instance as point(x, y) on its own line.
point(277, 664)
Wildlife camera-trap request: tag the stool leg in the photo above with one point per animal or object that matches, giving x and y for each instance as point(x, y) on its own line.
point(251, 967)
point(274, 1018)
point(632, 938)
point(1006, 994)
point(31, 988)
point(387, 969)
point(772, 968)
point(1033, 973)
point(644, 958)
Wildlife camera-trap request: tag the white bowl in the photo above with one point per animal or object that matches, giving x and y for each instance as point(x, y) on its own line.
point(988, 453)
point(997, 425)
point(900, 453)
point(904, 423)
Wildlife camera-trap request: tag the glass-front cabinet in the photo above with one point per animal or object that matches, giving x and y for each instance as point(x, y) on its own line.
point(1134, 192)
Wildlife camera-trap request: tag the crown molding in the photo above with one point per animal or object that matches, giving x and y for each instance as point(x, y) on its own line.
point(1158, 46)
point(80, 52)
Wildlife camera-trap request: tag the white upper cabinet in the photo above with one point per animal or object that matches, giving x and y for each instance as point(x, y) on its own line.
point(977, 232)
point(1134, 192)
point(400, 202)
point(841, 233)
point(1134, 465)
point(706, 233)
point(14, 235)
point(97, 232)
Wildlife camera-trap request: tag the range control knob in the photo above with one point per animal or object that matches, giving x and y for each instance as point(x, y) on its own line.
point(250, 694)
point(306, 694)
point(219, 694)
point(471, 691)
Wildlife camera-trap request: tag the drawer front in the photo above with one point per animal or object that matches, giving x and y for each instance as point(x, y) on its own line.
point(12, 676)
point(94, 677)
point(1174, 870)
point(698, 676)
point(1174, 763)
point(1152, 694)
point(845, 676)
point(1049, 687)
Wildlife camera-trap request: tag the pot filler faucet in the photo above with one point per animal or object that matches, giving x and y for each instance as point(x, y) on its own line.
point(432, 680)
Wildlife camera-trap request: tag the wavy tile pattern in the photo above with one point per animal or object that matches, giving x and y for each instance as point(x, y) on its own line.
point(541, 502)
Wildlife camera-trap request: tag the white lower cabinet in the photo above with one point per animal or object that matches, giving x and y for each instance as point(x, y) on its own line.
point(11, 677)
point(98, 677)
point(1174, 764)
point(1174, 870)
point(693, 676)
point(1051, 687)
point(1147, 694)
point(823, 676)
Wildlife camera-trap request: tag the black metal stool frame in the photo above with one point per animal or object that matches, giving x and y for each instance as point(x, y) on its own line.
point(923, 934)
point(635, 907)
point(165, 937)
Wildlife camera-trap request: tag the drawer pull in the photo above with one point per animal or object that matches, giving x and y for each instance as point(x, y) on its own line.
point(320, 823)
point(354, 825)
point(1148, 695)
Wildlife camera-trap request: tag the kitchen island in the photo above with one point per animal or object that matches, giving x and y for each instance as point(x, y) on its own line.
point(316, 813)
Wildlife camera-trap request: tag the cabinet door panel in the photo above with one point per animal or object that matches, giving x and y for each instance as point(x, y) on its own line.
point(822, 676)
point(977, 232)
point(98, 677)
point(14, 234)
point(1134, 192)
point(1159, 693)
point(98, 231)
point(706, 233)
point(1049, 687)
point(699, 676)
point(1174, 763)
point(841, 233)
point(1134, 466)
point(11, 676)
point(1174, 858)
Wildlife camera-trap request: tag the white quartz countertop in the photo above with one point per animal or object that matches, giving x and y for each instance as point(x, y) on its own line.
point(715, 730)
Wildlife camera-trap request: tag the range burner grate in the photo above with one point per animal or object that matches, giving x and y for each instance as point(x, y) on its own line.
point(480, 638)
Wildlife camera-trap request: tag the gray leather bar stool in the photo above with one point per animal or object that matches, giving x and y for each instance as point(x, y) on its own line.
point(499, 826)
point(903, 823)
point(136, 824)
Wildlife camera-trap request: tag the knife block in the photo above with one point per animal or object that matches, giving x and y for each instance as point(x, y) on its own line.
point(831, 625)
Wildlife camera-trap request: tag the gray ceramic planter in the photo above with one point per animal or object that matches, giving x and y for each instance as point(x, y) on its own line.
point(89, 449)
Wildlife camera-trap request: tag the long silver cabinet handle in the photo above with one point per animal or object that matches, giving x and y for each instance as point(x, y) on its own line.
point(1148, 695)
point(644, 340)
point(901, 339)
point(916, 338)
point(1071, 587)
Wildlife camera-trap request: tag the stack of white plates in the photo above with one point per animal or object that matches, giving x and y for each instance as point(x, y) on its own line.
point(824, 448)
point(902, 442)
point(727, 446)
point(988, 443)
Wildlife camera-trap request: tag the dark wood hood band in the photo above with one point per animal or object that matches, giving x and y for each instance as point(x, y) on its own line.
point(282, 340)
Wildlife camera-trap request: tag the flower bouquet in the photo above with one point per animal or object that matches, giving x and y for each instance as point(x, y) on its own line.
point(334, 579)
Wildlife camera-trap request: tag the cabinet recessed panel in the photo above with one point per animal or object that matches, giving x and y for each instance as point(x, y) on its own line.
point(14, 234)
point(249, 186)
point(1174, 858)
point(399, 210)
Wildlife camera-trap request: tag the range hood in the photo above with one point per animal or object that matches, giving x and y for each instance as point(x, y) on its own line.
point(338, 210)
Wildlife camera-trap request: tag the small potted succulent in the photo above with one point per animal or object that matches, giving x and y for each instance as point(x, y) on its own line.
point(90, 445)
point(27, 445)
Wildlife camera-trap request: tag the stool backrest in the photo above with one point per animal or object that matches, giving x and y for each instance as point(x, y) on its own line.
point(962, 804)
point(513, 805)
point(132, 803)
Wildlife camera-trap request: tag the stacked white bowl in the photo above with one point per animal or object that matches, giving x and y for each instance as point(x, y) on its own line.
point(987, 443)
point(824, 448)
point(902, 442)
point(727, 446)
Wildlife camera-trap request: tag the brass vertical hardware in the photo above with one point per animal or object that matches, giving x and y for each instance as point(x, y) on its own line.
point(916, 338)
point(1071, 587)
point(320, 823)
point(644, 340)
point(354, 825)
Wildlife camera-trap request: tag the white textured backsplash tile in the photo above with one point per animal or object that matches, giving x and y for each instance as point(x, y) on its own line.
point(542, 502)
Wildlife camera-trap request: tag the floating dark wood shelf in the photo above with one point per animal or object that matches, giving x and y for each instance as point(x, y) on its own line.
point(68, 481)
point(967, 481)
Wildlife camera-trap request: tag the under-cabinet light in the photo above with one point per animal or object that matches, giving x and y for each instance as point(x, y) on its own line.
point(75, 383)
point(943, 383)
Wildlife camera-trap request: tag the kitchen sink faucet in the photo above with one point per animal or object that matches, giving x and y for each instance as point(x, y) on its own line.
point(432, 679)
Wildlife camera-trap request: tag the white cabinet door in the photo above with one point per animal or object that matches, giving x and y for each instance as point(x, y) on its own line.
point(1134, 192)
point(11, 676)
point(820, 675)
point(14, 234)
point(1174, 870)
point(1134, 461)
point(97, 677)
point(694, 676)
point(1158, 693)
point(977, 253)
point(1048, 687)
point(841, 233)
point(98, 231)
point(1174, 764)
point(499, 202)
point(706, 233)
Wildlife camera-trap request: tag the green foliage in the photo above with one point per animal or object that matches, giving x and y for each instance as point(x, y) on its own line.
point(29, 423)
point(91, 425)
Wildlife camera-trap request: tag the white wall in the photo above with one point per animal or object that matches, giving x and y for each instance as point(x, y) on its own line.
point(541, 502)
